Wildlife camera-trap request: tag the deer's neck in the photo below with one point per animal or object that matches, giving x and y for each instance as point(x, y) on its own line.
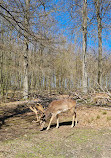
point(47, 114)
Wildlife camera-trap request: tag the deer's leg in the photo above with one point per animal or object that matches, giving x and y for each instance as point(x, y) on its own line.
point(57, 117)
point(72, 121)
point(73, 117)
point(50, 121)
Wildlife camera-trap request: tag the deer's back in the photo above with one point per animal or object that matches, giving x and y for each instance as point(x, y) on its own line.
point(61, 105)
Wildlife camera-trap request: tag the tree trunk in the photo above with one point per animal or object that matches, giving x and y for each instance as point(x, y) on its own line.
point(25, 85)
point(1, 64)
point(84, 71)
point(1, 76)
point(98, 14)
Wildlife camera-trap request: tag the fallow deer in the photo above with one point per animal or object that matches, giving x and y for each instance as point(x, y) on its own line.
point(55, 108)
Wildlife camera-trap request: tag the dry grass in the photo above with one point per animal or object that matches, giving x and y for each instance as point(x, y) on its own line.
point(90, 138)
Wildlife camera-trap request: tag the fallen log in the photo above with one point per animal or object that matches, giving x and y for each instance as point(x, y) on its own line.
point(25, 102)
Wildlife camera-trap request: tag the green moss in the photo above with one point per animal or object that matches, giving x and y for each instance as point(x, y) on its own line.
point(98, 148)
point(90, 120)
point(98, 117)
point(104, 112)
point(45, 148)
point(26, 155)
point(82, 136)
point(109, 118)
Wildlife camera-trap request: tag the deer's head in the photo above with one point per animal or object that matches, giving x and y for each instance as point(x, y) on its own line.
point(42, 116)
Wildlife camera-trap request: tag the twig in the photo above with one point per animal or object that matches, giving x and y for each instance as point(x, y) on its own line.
point(80, 97)
point(100, 87)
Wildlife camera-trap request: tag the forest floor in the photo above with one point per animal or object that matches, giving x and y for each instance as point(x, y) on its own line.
point(20, 137)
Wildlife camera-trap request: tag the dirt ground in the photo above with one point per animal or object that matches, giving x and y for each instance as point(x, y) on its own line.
point(20, 136)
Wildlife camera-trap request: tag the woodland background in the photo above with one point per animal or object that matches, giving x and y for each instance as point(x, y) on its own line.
point(54, 47)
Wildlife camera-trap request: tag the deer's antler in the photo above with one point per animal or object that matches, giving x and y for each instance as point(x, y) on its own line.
point(36, 113)
point(35, 110)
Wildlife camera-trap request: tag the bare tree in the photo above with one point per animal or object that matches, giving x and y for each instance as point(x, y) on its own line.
point(84, 49)
point(1, 64)
point(102, 9)
point(98, 15)
point(26, 20)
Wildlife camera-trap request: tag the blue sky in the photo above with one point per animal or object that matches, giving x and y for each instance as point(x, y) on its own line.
point(65, 23)
point(71, 28)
